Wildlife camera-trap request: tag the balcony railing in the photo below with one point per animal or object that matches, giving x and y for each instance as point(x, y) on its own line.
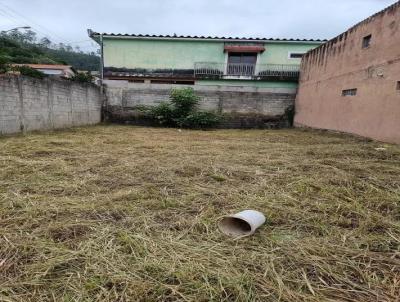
point(208, 69)
point(240, 69)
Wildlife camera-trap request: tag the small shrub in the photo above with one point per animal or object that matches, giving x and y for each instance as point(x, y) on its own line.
point(83, 77)
point(184, 101)
point(181, 111)
point(200, 120)
point(4, 60)
point(163, 114)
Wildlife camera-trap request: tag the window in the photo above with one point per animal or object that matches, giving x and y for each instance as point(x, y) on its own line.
point(242, 64)
point(295, 55)
point(366, 41)
point(349, 92)
point(136, 81)
point(242, 58)
point(398, 85)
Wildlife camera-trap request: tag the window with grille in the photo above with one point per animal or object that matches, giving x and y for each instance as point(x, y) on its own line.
point(349, 92)
point(241, 64)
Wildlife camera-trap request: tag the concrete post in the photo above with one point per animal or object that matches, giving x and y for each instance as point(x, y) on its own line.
point(87, 104)
point(21, 105)
point(71, 113)
point(50, 103)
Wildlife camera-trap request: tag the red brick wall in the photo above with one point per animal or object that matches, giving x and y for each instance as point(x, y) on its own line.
point(343, 63)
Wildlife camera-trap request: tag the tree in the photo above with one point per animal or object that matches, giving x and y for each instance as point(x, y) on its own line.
point(29, 36)
point(45, 42)
point(15, 35)
point(26, 37)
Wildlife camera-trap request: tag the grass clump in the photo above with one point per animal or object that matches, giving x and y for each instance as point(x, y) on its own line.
point(118, 213)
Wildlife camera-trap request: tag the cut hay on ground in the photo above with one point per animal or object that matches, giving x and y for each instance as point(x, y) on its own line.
point(115, 213)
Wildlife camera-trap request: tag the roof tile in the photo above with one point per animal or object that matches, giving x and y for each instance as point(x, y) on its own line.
point(92, 34)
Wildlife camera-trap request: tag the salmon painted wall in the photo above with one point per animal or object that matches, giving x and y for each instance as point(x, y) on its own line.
point(343, 63)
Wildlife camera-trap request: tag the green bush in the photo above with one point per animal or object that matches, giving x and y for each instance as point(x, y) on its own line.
point(4, 60)
point(200, 120)
point(163, 114)
point(184, 101)
point(181, 111)
point(83, 77)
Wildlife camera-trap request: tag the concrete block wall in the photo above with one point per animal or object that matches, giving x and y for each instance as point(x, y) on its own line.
point(28, 104)
point(235, 101)
point(10, 106)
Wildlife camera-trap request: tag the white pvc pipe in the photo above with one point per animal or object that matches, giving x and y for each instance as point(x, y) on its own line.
point(241, 224)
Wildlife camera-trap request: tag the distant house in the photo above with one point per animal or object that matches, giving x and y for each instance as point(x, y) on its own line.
point(202, 60)
point(253, 80)
point(65, 71)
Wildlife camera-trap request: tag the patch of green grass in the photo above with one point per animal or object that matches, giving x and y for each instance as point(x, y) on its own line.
point(219, 178)
point(118, 213)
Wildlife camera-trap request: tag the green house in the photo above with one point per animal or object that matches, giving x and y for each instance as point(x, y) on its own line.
point(202, 60)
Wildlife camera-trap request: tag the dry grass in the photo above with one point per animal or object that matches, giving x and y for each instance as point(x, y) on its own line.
point(114, 213)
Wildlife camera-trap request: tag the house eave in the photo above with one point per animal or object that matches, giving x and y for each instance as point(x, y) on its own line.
point(97, 37)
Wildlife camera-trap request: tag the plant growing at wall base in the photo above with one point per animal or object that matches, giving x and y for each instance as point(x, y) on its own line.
point(181, 111)
point(184, 101)
point(200, 120)
point(163, 114)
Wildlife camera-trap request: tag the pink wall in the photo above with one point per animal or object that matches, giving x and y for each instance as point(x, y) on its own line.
point(343, 63)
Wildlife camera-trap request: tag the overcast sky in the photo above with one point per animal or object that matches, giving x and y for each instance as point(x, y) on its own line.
point(67, 20)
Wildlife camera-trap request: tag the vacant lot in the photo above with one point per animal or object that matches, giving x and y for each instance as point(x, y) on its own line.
point(114, 213)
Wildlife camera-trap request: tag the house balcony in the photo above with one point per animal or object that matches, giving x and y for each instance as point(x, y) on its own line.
point(208, 70)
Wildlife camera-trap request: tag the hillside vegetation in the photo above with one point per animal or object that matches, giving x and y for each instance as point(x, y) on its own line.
point(24, 47)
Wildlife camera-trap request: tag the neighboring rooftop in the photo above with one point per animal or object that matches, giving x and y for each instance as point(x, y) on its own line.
point(46, 66)
point(52, 69)
point(94, 35)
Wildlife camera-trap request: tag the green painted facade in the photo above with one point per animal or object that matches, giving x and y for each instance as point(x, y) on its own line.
point(160, 54)
point(182, 54)
point(175, 58)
